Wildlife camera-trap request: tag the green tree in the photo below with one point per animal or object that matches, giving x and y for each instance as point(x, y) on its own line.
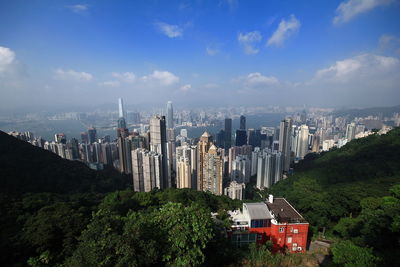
point(345, 253)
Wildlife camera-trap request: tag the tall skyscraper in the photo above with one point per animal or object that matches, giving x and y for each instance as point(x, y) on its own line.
point(147, 170)
point(242, 122)
point(241, 137)
point(202, 149)
point(302, 142)
point(285, 131)
point(92, 135)
point(213, 171)
point(121, 112)
point(170, 115)
point(124, 154)
point(186, 167)
point(228, 134)
point(122, 130)
point(158, 144)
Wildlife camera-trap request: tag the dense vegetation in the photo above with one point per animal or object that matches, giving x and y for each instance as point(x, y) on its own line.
point(352, 193)
point(88, 218)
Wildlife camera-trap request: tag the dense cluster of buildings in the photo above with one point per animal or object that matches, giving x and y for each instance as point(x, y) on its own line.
point(157, 157)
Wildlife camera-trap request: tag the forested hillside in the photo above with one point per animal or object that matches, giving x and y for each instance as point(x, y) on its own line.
point(351, 192)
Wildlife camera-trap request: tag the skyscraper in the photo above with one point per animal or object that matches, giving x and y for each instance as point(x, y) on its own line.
point(269, 168)
point(122, 131)
point(147, 170)
point(228, 134)
point(170, 115)
point(242, 122)
point(158, 144)
point(186, 167)
point(350, 131)
point(302, 142)
point(213, 171)
point(202, 148)
point(92, 134)
point(285, 130)
point(241, 137)
point(121, 112)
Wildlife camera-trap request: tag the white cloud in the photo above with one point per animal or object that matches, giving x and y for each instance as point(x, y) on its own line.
point(362, 68)
point(248, 41)
point(124, 76)
point(172, 31)
point(79, 8)
point(72, 75)
point(351, 8)
point(110, 84)
point(211, 51)
point(389, 43)
point(164, 78)
point(186, 87)
point(256, 80)
point(7, 58)
point(285, 29)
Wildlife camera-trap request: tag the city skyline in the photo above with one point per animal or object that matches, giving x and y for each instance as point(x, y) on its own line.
point(336, 53)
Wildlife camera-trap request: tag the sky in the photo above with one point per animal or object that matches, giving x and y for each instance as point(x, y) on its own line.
point(227, 52)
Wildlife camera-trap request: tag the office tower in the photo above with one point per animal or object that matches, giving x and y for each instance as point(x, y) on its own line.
point(85, 137)
point(235, 190)
point(202, 149)
point(92, 135)
point(220, 138)
point(146, 170)
point(122, 130)
point(121, 112)
point(242, 122)
point(170, 115)
point(269, 168)
point(228, 134)
point(60, 138)
point(241, 169)
point(285, 131)
point(241, 137)
point(158, 144)
point(213, 171)
point(350, 131)
point(302, 142)
point(124, 153)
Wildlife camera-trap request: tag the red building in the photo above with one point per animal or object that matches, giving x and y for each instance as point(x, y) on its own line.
point(274, 220)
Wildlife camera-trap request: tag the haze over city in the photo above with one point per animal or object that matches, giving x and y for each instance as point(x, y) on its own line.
point(316, 53)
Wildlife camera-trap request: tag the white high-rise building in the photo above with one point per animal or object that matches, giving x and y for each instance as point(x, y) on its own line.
point(158, 144)
point(241, 169)
point(186, 167)
point(235, 190)
point(350, 131)
point(146, 170)
point(302, 142)
point(269, 171)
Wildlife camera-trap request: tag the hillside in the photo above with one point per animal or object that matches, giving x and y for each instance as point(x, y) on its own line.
point(346, 192)
point(26, 168)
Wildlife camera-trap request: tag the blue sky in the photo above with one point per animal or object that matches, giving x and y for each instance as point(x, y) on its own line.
point(333, 53)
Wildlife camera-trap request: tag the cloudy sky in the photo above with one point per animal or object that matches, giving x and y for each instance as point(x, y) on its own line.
point(320, 53)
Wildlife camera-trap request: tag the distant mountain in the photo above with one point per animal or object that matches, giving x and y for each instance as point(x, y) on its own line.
point(376, 111)
point(26, 168)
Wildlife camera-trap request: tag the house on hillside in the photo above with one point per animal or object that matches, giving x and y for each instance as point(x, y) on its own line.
point(274, 220)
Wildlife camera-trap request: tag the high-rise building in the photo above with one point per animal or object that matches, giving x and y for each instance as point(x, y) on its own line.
point(350, 131)
point(302, 142)
point(186, 167)
point(228, 134)
point(158, 144)
point(242, 122)
point(220, 139)
point(241, 137)
point(124, 153)
point(60, 138)
point(147, 170)
point(269, 168)
point(121, 112)
point(285, 131)
point(202, 149)
point(241, 169)
point(235, 190)
point(92, 135)
point(170, 115)
point(213, 171)
point(85, 137)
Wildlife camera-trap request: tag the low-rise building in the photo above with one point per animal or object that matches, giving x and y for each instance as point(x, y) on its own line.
point(275, 220)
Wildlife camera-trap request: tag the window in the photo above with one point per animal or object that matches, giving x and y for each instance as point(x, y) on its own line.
point(281, 229)
point(289, 239)
point(296, 231)
point(259, 237)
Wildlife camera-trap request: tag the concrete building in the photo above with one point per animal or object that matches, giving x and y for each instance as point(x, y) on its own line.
point(269, 168)
point(235, 190)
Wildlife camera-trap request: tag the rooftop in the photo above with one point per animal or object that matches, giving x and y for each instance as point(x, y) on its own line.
point(283, 211)
point(258, 211)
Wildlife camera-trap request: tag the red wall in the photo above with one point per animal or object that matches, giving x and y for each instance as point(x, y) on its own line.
point(280, 240)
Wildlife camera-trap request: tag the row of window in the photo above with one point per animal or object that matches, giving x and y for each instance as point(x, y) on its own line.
point(282, 230)
point(260, 223)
